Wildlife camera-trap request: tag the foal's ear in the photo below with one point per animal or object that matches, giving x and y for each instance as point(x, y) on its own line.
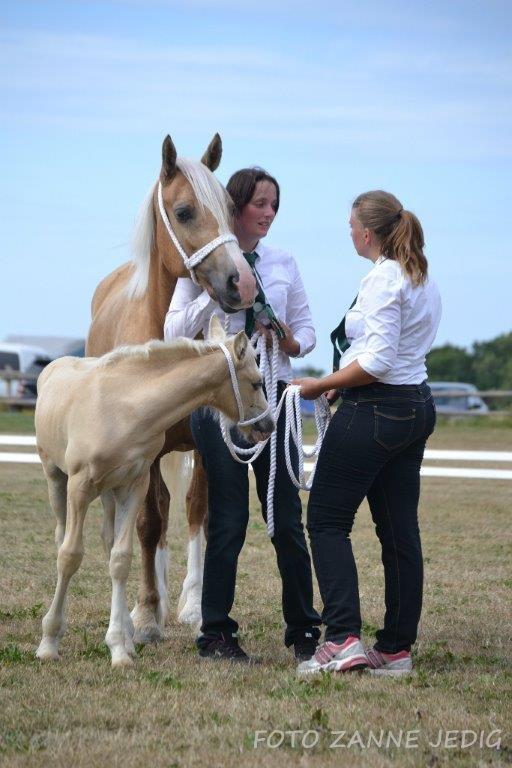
point(240, 344)
point(215, 330)
point(213, 154)
point(168, 160)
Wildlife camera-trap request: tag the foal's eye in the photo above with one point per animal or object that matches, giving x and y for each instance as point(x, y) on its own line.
point(257, 385)
point(184, 213)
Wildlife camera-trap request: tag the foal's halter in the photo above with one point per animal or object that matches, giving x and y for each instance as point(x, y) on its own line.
point(196, 258)
point(236, 390)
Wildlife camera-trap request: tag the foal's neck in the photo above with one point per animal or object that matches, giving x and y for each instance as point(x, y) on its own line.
point(175, 389)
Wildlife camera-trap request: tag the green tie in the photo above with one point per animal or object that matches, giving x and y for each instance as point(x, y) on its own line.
point(250, 319)
point(339, 341)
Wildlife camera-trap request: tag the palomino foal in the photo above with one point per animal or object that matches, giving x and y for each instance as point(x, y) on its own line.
point(100, 423)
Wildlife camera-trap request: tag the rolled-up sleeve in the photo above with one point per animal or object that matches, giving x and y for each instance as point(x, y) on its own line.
point(189, 310)
point(298, 314)
point(381, 306)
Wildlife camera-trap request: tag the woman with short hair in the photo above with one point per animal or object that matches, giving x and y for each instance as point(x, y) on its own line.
point(255, 195)
point(375, 442)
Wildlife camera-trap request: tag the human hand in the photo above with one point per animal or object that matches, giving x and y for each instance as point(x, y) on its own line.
point(264, 332)
point(332, 395)
point(289, 344)
point(310, 388)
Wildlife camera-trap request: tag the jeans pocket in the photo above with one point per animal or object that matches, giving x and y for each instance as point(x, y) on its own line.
point(394, 426)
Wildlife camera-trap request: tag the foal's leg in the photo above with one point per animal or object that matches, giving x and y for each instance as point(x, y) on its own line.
point(57, 482)
point(68, 561)
point(146, 615)
point(120, 630)
point(189, 606)
point(109, 513)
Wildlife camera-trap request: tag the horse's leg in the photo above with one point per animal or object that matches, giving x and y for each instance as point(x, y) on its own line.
point(189, 606)
point(109, 513)
point(119, 637)
point(69, 558)
point(146, 613)
point(57, 482)
point(162, 555)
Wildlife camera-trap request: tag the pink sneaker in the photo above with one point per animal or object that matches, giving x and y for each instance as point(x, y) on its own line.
point(335, 657)
point(389, 664)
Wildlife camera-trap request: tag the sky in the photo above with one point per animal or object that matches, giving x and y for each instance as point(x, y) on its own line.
point(332, 98)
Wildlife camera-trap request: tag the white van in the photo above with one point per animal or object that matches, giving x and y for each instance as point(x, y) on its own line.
point(19, 357)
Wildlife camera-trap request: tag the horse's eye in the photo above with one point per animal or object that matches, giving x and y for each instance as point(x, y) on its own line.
point(184, 213)
point(257, 385)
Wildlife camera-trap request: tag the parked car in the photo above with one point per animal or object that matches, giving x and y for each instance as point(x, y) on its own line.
point(22, 358)
point(446, 403)
point(30, 355)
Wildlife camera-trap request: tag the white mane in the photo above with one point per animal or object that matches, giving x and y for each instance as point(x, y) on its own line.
point(209, 194)
point(176, 350)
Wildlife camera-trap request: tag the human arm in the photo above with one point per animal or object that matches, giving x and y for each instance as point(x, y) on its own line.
point(189, 310)
point(351, 376)
point(299, 329)
point(380, 304)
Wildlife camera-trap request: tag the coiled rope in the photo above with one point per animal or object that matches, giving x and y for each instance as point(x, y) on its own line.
point(290, 400)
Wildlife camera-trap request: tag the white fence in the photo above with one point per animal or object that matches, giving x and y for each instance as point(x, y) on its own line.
point(480, 473)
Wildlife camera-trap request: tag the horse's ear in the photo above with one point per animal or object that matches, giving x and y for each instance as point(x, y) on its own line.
point(215, 330)
point(213, 154)
point(168, 160)
point(240, 344)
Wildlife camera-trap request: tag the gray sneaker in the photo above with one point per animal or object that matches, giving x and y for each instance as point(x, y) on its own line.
point(335, 657)
point(389, 664)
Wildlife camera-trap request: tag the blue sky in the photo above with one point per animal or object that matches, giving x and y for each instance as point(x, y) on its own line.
point(333, 98)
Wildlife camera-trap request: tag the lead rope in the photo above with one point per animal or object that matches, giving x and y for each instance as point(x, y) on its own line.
point(290, 400)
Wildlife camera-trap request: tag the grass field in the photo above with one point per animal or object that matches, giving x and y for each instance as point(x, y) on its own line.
point(172, 710)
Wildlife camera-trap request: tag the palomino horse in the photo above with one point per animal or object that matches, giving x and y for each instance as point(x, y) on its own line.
point(101, 423)
point(129, 307)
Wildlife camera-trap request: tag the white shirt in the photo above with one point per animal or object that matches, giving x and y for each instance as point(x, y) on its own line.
point(392, 325)
point(191, 307)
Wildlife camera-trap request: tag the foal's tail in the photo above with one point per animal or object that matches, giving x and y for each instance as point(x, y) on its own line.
point(176, 468)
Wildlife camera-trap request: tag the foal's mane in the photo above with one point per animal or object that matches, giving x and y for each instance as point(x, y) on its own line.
point(209, 193)
point(156, 350)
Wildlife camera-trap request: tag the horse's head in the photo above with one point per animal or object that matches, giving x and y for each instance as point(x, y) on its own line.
point(199, 212)
point(249, 382)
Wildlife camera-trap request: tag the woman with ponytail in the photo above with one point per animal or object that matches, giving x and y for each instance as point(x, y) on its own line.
point(374, 445)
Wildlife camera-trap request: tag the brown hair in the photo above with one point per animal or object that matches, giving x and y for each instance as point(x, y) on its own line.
point(399, 231)
point(242, 184)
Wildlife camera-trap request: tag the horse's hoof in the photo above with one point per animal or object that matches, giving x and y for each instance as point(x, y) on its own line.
point(47, 651)
point(190, 614)
point(148, 635)
point(121, 660)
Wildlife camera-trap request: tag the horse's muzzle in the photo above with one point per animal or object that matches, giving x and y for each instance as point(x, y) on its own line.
point(262, 429)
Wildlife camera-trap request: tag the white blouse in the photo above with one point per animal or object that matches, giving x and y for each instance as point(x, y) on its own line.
point(191, 308)
point(392, 325)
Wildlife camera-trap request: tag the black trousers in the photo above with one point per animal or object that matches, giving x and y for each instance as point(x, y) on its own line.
point(228, 509)
point(374, 447)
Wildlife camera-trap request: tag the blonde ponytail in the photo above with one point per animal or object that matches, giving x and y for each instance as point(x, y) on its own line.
point(399, 232)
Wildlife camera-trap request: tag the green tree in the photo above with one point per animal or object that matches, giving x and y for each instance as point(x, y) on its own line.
point(492, 363)
point(450, 363)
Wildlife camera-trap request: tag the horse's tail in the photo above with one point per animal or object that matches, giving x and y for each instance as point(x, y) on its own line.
point(176, 468)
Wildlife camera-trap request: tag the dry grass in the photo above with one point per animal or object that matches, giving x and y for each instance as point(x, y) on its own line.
point(173, 710)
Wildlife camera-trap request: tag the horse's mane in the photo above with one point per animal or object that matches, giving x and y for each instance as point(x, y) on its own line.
point(209, 193)
point(174, 351)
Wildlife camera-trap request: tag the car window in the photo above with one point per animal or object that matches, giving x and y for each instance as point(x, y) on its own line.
point(9, 360)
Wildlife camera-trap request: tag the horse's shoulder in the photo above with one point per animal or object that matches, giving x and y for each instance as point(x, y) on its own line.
point(116, 279)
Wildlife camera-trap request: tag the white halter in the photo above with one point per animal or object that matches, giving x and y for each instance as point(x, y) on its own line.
point(236, 391)
point(197, 257)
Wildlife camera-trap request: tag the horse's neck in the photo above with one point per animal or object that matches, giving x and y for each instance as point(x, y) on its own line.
point(161, 285)
point(170, 390)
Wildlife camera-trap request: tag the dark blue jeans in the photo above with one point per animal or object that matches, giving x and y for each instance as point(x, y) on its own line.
point(228, 510)
point(374, 447)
